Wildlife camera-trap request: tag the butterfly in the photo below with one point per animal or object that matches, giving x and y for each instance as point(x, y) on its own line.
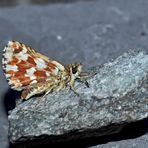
point(33, 73)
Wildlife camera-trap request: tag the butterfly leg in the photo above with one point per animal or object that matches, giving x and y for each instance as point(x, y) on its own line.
point(42, 98)
point(47, 92)
point(51, 87)
point(73, 89)
point(82, 80)
point(86, 83)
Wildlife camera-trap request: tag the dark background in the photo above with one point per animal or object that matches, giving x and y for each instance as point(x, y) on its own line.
point(35, 2)
point(91, 32)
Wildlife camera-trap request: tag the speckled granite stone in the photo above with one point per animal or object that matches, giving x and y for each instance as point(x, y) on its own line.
point(118, 95)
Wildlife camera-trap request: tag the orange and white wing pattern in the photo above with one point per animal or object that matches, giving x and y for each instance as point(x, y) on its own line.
point(24, 66)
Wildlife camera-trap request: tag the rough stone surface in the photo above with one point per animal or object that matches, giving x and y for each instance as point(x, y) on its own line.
point(90, 32)
point(118, 95)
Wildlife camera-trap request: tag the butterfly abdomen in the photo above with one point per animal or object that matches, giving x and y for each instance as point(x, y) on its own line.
point(36, 89)
point(45, 87)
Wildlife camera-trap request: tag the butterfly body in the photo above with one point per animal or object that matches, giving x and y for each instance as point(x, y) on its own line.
point(33, 73)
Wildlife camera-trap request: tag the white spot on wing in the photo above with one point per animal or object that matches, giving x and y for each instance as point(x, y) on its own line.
point(10, 43)
point(22, 56)
point(30, 72)
point(40, 63)
point(7, 75)
point(11, 67)
point(24, 49)
point(47, 74)
point(8, 53)
point(4, 61)
point(34, 81)
point(4, 49)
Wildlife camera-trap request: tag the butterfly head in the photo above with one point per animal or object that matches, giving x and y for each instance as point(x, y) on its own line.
point(75, 70)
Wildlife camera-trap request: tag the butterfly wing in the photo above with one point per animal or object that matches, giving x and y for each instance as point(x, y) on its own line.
point(24, 66)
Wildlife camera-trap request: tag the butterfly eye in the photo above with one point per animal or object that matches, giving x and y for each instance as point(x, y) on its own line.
point(74, 70)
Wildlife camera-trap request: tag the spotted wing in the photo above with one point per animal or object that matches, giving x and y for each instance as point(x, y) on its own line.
point(24, 66)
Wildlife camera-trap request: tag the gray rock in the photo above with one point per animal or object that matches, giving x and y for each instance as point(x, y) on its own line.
point(117, 96)
point(92, 32)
